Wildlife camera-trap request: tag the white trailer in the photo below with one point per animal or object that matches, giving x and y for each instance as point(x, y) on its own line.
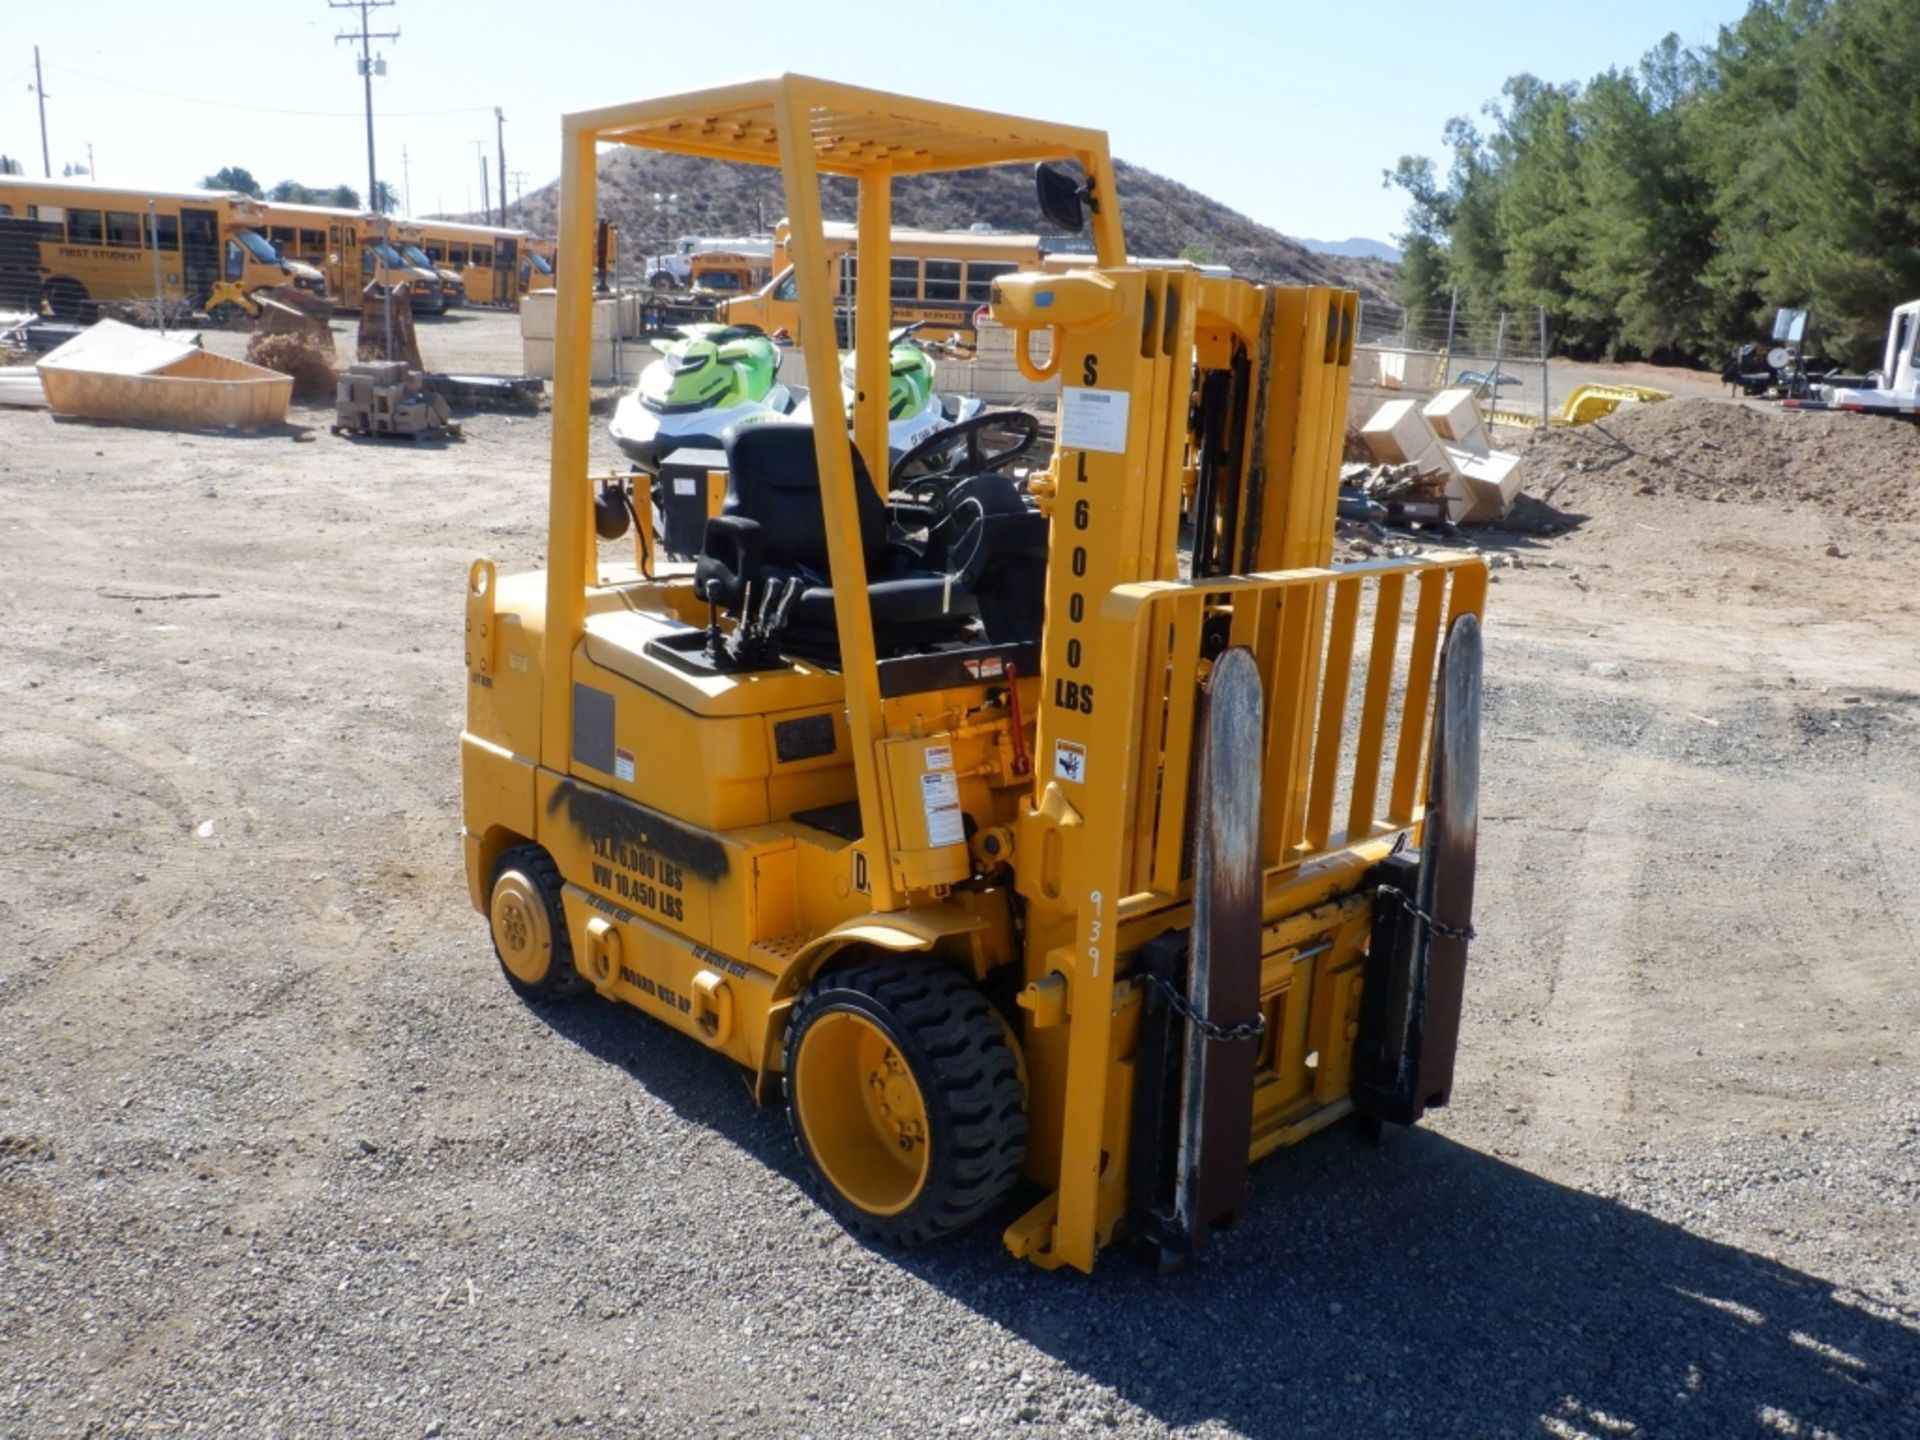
point(1894, 388)
point(674, 270)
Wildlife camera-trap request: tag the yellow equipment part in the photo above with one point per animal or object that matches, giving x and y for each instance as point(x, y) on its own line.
point(928, 846)
point(1587, 403)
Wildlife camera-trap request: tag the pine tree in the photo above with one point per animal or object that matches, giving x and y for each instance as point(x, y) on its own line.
point(1852, 175)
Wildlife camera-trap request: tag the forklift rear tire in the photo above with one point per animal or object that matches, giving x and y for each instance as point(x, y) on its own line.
point(905, 1096)
point(529, 925)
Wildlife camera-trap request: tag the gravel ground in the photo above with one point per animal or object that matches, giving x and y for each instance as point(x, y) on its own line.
point(280, 1155)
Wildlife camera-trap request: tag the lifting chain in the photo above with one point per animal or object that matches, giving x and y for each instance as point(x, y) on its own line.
point(1250, 1030)
point(1437, 927)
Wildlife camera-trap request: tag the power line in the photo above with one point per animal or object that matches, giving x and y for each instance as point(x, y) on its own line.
point(265, 109)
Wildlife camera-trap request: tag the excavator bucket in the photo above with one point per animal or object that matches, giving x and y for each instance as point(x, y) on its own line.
point(386, 329)
point(285, 310)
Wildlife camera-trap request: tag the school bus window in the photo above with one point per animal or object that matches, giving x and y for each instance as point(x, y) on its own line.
point(123, 229)
point(788, 288)
point(236, 261)
point(83, 227)
point(281, 235)
point(849, 275)
point(6, 210)
point(436, 252)
point(366, 262)
point(457, 256)
point(312, 241)
point(943, 280)
point(483, 257)
point(980, 277)
point(906, 279)
point(169, 231)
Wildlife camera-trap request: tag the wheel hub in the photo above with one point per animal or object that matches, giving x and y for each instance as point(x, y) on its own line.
point(862, 1111)
point(521, 930)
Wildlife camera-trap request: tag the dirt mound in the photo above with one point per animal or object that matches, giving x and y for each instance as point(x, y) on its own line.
point(1864, 466)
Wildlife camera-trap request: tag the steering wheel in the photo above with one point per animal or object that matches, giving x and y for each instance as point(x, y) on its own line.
point(964, 449)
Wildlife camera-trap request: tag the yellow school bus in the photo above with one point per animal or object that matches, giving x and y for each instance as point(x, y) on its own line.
point(486, 257)
point(206, 242)
point(406, 238)
point(536, 264)
point(726, 273)
point(939, 277)
point(352, 250)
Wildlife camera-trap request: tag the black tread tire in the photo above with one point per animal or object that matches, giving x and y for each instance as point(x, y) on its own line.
point(562, 979)
point(962, 1060)
point(68, 300)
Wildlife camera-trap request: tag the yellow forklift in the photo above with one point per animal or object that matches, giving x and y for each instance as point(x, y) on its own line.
point(1059, 841)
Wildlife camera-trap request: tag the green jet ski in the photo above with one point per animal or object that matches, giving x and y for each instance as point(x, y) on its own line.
point(712, 378)
point(914, 410)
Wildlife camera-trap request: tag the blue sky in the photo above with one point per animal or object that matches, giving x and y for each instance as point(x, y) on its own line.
point(1288, 112)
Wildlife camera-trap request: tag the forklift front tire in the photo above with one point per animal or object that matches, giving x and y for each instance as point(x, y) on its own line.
point(529, 925)
point(905, 1097)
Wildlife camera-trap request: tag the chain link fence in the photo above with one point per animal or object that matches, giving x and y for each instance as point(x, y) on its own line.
point(1399, 353)
point(1501, 354)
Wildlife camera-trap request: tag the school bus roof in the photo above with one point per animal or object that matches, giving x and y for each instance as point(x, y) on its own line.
point(836, 230)
point(854, 131)
point(78, 190)
point(341, 213)
point(468, 228)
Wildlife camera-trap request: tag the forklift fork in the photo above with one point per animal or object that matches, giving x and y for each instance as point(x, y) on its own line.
point(1200, 1039)
point(1423, 915)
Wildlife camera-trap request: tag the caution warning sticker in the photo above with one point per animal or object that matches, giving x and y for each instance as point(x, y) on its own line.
point(1070, 761)
point(940, 796)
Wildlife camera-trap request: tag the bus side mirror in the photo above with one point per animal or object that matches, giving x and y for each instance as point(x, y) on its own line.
point(1062, 198)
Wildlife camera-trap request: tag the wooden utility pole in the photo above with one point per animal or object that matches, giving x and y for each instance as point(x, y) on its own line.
point(40, 94)
point(500, 142)
point(366, 39)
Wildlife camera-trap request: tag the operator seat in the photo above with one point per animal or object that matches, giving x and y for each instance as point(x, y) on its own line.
point(764, 557)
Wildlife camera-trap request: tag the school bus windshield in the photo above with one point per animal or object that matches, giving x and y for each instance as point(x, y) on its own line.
point(388, 254)
point(257, 247)
point(416, 256)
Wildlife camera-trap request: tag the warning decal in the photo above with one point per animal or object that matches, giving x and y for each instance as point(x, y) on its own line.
point(940, 796)
point(1070, 761)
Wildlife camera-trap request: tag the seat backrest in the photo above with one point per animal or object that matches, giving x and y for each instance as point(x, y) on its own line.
point(773, 478)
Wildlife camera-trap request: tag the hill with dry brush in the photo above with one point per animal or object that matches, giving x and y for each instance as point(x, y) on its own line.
point(1163, 217)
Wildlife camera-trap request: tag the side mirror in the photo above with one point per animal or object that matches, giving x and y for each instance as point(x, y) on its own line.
point(1062, 197)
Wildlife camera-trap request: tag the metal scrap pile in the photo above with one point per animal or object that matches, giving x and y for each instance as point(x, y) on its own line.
point(1402, 494)
point(1441, 446)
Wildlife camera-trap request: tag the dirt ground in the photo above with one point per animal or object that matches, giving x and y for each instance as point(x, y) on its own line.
point(280, 1154)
